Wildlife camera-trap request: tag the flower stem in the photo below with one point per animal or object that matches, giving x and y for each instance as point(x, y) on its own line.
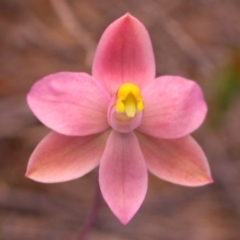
point(92, 216)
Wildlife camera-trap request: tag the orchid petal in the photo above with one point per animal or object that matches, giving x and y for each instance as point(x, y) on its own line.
point(179, 161)
point(61, 158)
point(70, 103)
point(124, 54)
point(123, 175)
point(174, 107)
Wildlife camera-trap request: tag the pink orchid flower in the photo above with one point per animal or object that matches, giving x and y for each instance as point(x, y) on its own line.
point(121, 118)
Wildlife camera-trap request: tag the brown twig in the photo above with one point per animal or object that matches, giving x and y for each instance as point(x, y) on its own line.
point(74, 27)
point(225, 172)
point(180, 37)
point(92, 217)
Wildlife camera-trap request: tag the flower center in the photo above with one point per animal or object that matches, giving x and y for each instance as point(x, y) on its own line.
point(129, 100)
point(125, 111)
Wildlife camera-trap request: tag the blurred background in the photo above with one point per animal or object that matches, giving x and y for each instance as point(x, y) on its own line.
point(197, 39)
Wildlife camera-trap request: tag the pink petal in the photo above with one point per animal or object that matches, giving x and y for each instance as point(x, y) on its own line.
point(70, 103)
point(179, 161)
point(123, 175)
point(124, 54)
point(174, 107)
point(61, 158)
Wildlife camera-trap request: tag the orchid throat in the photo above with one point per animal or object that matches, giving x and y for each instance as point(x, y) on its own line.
point(126, 111)
point(129, 100)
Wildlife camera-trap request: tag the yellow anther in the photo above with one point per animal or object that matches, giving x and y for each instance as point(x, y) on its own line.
point(129, 100)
